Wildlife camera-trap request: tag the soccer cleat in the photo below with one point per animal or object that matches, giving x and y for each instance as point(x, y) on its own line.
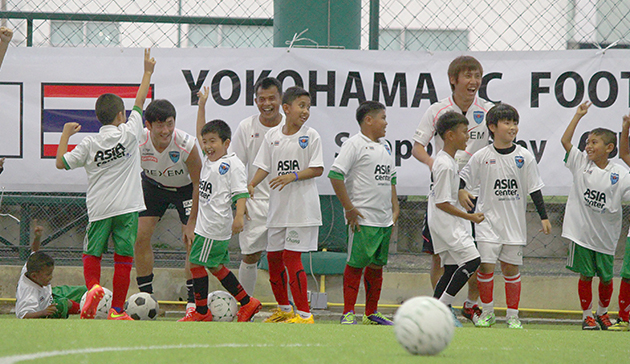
point(94, 296)
point(190, 311)
point(196, 316)
point(486, 320)
point(279, 316)
point(247, 312)
point(349, 318)
point(621, 325)
point(114, 315)
point(297, 319)
point(456, 321)
point(603, 321)
point(376, 318)
point(471, 311)
point(589, 323)
point(514, 323)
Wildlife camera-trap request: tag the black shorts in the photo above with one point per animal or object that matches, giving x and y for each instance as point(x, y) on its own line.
point(157, 199)
point(427, 242)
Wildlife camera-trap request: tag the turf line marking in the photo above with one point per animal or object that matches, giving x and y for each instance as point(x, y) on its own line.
point(47, 354)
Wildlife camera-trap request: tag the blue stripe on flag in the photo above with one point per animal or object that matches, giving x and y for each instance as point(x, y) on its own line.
point(53, 120)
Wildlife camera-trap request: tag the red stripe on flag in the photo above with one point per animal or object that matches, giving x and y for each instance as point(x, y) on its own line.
point(50, 150)
point(126, 92)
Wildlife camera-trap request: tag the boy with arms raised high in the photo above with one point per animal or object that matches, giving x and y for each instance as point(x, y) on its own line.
point(364, 179)
point(505, 174)
point(593, 216)
point(114, 196)
point(222, 182)
point(452, 239)
point(291, 155)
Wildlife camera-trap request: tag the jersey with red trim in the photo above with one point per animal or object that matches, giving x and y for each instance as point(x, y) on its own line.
point(168, 168)
point(477, 129)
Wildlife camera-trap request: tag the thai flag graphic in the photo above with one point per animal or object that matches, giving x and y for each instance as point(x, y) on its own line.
point(66, 102)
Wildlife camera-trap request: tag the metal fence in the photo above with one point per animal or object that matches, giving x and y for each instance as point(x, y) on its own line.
point(490, 25)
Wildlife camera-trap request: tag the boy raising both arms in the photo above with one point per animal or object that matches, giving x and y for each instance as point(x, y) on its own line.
point(464, 76)
point(247, 140)
point(452, 239)
point(593, 216)
point(364, 179)
point(222, 182)
point(505, 174)
point(114, 196)
point(35, 298)
point(292, 155)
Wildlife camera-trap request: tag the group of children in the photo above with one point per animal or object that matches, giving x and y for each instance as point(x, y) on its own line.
point(269, 176)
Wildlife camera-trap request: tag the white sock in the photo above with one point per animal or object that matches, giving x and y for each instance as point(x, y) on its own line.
point(247, 275)
point(601, 310)
point(511, 312)
point(469, 302)
point(190, 304)
point(487, 308)
point(285, 308)
point(587, 313)
point(447, 299)
point(303, 314)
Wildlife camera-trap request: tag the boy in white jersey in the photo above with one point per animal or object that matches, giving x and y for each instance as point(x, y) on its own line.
point(505, 174)
point(35, 297)
point(222, 182)
point(452, 239)
point(246, 142)
point(114, 196)
point(464, 74)
point(624, 286)
point(364, 179)
point(5, 38)
point(170, 175)
point(593, 216)
point(291, 155)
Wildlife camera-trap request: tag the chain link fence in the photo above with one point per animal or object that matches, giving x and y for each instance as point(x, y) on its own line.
point(456, 25)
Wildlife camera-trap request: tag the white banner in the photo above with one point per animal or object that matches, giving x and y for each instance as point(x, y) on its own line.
point(40, 87)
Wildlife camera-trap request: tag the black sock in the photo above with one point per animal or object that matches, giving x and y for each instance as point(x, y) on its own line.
point(145, 283)
point(441, 285)
point(231, 283)
point(461, 276)
point(200, 286)
point(191, 291)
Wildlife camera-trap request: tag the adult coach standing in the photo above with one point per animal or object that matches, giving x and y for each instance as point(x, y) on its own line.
point(170, 175)
point(464, 75)
point(5, 38)
point(245, 143)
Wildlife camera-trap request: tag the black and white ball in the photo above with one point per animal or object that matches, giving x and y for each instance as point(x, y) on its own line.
point(222, 306)
point(103, 306)
point(424, 326)
point(142, 306)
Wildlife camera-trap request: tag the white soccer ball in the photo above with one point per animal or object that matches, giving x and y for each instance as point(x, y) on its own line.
point(142, 306)
point(103, 306)
point(423, 325)
point(222, 305)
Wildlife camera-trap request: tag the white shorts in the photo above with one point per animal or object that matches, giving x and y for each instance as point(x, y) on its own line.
point(253, 238)
point(297, 239)
point(491, 252)
point(459, 257)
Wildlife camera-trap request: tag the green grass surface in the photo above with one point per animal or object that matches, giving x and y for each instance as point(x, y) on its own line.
point(166, 341)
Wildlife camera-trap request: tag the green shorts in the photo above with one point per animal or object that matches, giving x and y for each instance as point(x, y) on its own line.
point(209, 253)
point(123, 230)
point(590, 263)
point(625, 267)
point(368, 246)
point(61, 295)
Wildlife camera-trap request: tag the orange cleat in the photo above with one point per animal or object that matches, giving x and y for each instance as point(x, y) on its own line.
point(114, 315)
point(247, 312)
point(94, 296)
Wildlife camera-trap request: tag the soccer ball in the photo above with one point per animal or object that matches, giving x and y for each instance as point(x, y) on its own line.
point(142, 306)
point(423, 325)
point(222, 306)
point(103, 306)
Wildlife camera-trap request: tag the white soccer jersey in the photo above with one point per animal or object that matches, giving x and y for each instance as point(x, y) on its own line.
point(504, 180)
point(246, 142)
point(448, 232)
point(30, 296)
point(112, 162)
point(298, 202)
point(220, 183)
point(369, 173)
point(593, 214)
point(167, 168)
point(477, 129)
